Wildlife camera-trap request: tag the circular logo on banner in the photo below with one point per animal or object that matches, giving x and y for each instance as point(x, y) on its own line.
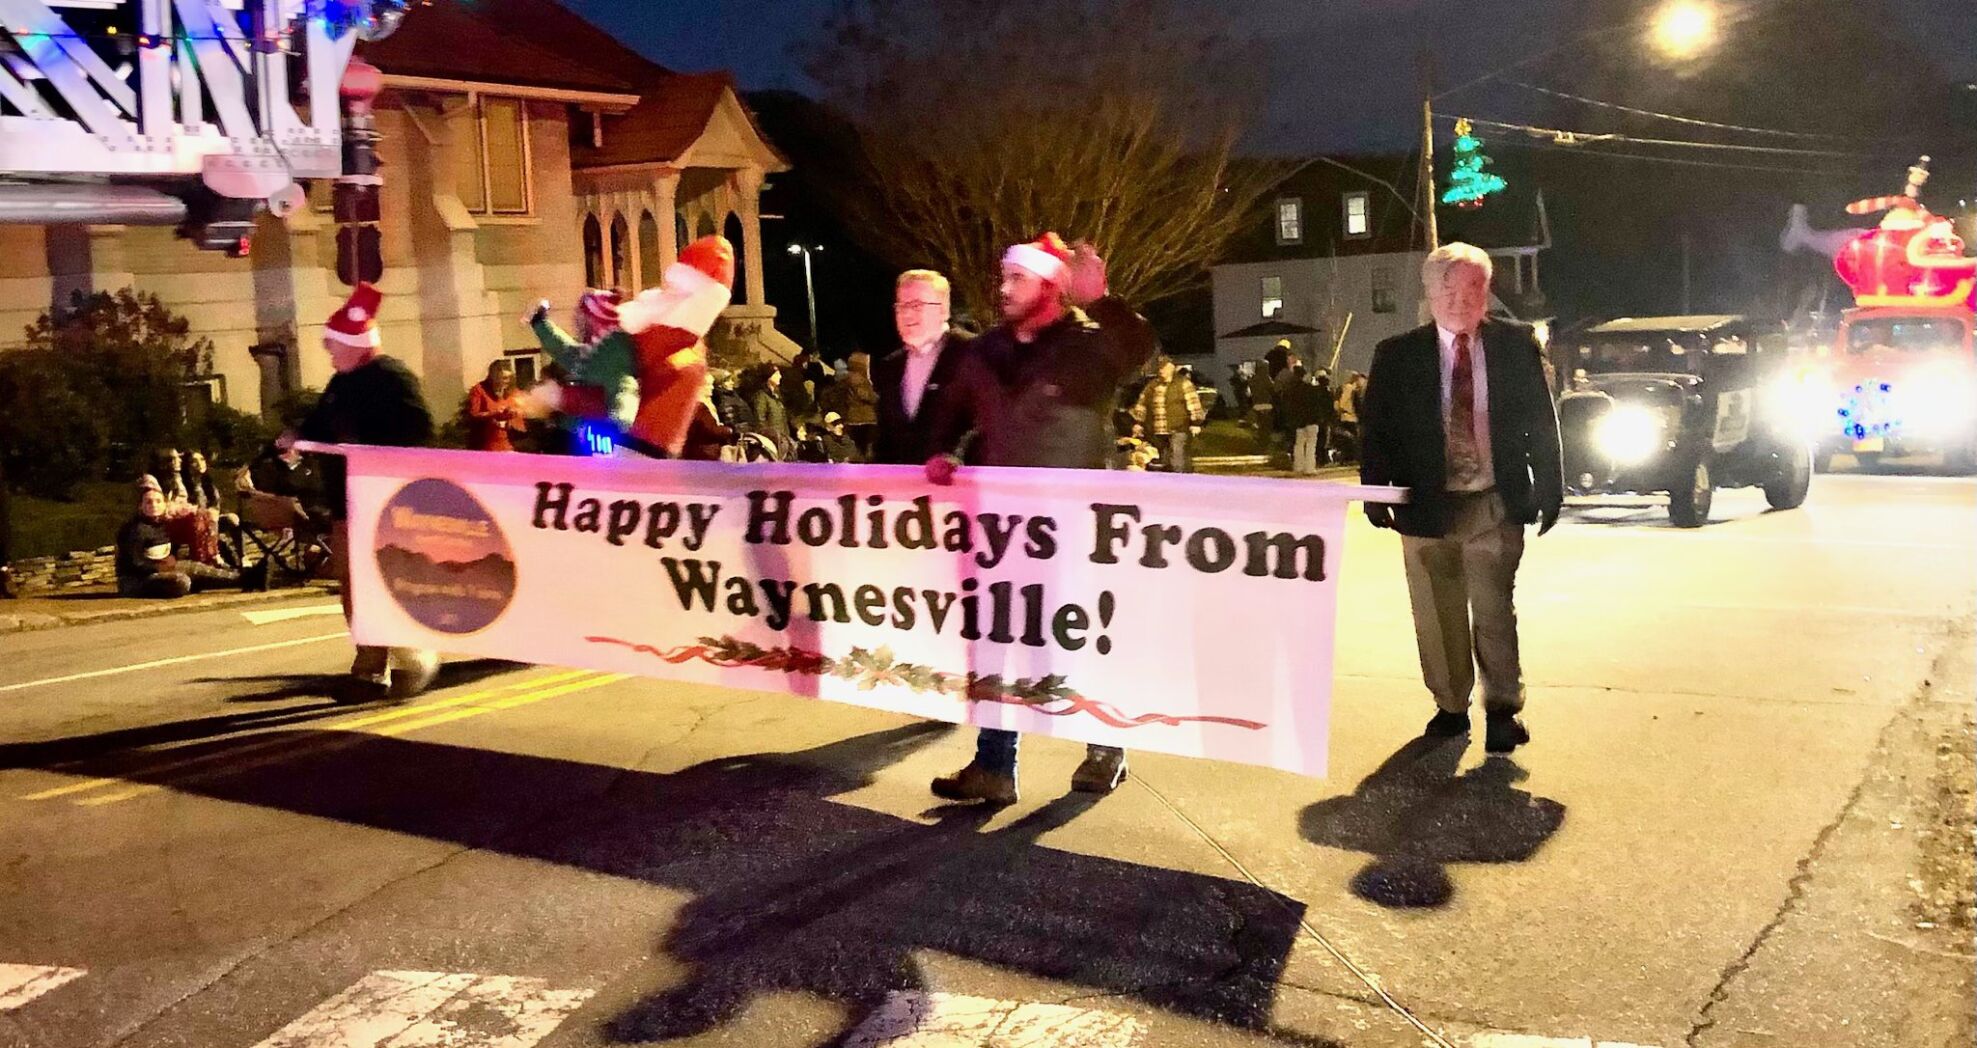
point(443, 558)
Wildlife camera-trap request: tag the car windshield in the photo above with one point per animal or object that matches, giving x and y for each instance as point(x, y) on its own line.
point(1656, 352)
point(1903, 334)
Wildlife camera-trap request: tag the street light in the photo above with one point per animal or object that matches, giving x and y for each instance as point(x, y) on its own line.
point(1684, 29)
point(809, 288)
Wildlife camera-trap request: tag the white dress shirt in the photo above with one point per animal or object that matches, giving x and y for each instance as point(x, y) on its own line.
point(920, 361)
point(1483, 477)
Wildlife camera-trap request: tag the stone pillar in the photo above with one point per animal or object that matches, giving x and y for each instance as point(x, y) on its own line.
point(665, 211)
point(86, 259)
point(748, 189)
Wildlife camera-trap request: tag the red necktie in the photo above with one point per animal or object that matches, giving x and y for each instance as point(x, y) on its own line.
point(1462, 453)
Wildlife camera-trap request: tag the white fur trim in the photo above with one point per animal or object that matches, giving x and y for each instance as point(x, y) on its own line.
point(1038, 261)
point(367, 338)
point(689, 308)
point(357, 314)
point(687, 278)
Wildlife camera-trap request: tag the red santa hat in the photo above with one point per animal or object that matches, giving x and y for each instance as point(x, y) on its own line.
point(1046, 256)
point(600, 307)
point(355, 323)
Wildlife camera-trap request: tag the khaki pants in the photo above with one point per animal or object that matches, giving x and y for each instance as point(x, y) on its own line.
point(1461, 586)
point(371, 662)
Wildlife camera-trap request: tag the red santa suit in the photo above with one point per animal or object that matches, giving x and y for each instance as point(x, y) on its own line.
point(666, 325)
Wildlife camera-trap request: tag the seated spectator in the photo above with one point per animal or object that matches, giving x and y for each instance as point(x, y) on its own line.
point(147, 564)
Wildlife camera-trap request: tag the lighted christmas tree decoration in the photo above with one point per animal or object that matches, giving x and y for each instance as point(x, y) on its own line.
point(1468, 183)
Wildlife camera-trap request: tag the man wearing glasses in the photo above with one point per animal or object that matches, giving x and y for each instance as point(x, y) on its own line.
point(913, 380)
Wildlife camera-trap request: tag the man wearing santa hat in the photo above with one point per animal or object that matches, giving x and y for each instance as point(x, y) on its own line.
point(666, 325)
point(1040, 390)
point(372, 399)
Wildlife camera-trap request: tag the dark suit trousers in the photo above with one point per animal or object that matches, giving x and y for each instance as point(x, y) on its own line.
point(1462, 588)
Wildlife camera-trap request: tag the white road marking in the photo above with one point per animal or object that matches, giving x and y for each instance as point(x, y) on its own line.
point(21, 983)
point(177, 660)
point(952, 1020)
point(263, 618)
point(433, 1010)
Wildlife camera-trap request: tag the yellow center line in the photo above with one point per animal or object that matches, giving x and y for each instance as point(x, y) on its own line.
point(503, 704)
point(291, 743)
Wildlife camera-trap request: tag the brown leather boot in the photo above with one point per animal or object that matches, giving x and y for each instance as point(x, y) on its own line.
point(975, 783)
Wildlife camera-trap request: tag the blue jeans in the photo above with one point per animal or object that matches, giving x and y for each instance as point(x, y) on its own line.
point(995, 750)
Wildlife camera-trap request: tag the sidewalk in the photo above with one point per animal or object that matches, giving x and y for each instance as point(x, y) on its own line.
point(101, 604)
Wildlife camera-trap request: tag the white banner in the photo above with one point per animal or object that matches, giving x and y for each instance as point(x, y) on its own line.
point(1189, 615)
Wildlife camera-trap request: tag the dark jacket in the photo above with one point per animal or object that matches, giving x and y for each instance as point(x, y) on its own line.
point(1403, 440)
point(134, 540)
point(378, 404)
point(905, 440)
point(1049, 401)
point(705, 436)
point(1300, 406)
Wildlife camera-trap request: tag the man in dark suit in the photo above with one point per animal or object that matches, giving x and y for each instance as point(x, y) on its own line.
point(1458, 412)
point(913, 380)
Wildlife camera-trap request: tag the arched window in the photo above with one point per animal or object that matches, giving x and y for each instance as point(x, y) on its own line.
point(621, 265)
point(593, 252)
point(648, 250)
point(732, 230)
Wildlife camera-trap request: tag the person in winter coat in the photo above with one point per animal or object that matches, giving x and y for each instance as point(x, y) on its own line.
point(372, 399)
point(1170, 412)
point(861, 403)
point(494, 408)
point(1039, 390)
point(706, 435)
point(1303, 416)
point(599, 386)
point(771, 415)
point(146, 566)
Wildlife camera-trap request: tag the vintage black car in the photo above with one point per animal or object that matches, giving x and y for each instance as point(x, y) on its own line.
point(1682, 406)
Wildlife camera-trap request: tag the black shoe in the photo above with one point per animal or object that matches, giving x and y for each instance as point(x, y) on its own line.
point(976, 783)
point(1505, 733)
point(1101, 772)
point(1446, 725)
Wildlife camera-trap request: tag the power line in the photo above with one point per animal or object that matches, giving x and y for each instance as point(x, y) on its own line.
point(1677, 161)
point(1691, 121)
point(1567, 137)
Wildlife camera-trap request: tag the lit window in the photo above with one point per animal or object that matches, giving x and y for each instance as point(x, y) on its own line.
point(1358, 214)
point(1273, 297)
point(1383, 290)
point(1290, 221)
point(493, 158)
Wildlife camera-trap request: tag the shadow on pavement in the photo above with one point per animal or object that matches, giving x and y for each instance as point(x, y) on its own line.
point(796, 892)
point(284, 686)
point(1415, 816)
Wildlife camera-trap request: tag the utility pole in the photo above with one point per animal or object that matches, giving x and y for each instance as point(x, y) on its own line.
point(1425, 60)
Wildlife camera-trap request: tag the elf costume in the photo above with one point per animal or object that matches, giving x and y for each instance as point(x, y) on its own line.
point(599, 361)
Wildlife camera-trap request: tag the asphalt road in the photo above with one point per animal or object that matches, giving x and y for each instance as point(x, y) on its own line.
point(1710, 840)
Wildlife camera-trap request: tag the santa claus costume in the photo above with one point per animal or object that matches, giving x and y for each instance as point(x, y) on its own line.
point(666, 325)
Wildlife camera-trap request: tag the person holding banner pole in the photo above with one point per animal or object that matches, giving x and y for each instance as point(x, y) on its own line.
point(1459, 412)
point(1040, 390)
point(372, 399)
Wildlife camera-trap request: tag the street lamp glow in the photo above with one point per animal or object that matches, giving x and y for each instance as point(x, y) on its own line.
point(1684, 29)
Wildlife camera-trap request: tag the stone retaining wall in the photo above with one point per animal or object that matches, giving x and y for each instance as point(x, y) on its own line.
point(66, 571)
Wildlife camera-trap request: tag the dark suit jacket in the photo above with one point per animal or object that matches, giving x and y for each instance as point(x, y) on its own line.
point(1404, 444)
point(904, 440)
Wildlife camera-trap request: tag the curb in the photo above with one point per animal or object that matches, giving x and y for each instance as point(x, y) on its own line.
point(23, 623)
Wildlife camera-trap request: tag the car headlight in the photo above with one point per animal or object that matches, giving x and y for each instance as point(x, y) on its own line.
point(1629, 435)
point(1937, 405)
point(1803, 406)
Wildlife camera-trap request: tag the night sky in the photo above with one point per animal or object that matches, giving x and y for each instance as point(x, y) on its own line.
point(1353, 60)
